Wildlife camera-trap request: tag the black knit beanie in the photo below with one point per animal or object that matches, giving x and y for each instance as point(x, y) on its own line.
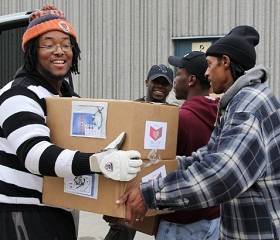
point(239, 45)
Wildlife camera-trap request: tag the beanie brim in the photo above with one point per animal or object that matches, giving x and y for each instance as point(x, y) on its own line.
point(239, 45)
point(52, 25)
point(247, 59)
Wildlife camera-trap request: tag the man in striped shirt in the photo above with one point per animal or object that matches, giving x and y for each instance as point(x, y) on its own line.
point(51, 54)
point(239, 168)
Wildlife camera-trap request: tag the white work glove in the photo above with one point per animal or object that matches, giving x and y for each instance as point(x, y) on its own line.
point(116, 164)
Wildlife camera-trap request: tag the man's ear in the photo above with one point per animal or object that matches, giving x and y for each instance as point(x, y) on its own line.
point(191, 80)
point(226, 61)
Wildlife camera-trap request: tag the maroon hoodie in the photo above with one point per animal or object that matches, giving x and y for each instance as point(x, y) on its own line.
point(197, 116)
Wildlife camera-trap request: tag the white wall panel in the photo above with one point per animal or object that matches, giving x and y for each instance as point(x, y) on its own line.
point(121, 39)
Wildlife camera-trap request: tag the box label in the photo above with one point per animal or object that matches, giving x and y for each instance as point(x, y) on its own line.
point(88, 119)
point(158, 173)
point(85, 185)
point(155, 135)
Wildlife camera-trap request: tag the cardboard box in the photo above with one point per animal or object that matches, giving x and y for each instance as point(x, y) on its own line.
point(87, 125)
point(148, 226)
point(108, 192)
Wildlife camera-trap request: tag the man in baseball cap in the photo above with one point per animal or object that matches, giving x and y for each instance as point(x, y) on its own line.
point(198, 112)
point(192, 64)
point(159, 83)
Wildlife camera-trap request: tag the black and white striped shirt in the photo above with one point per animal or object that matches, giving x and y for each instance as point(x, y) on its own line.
point(26, 153)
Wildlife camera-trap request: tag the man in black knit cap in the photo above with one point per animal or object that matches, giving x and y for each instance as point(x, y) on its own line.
point(239, 168)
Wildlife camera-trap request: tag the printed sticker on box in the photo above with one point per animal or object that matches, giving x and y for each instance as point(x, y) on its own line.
point(155, 135)
point(88, 119)
point(158, 173)
point(85, 185)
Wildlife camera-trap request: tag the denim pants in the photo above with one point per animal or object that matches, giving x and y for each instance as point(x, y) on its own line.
point(200, 230)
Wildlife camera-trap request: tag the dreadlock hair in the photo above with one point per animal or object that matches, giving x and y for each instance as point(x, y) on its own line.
point(76, 56)
point(235, 69)
point(30, 55)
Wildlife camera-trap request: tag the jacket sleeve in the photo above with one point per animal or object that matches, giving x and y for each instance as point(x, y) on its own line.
point(224, 169)
point(26, 135)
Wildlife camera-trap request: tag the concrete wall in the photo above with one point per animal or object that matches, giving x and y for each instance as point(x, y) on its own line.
point(121, 39)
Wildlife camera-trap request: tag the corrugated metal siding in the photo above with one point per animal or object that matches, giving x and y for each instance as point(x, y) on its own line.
point(121, 39)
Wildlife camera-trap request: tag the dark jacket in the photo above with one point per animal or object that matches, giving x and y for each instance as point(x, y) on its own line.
point(196, 123)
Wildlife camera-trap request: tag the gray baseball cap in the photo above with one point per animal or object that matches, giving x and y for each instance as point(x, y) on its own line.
point(161, 71)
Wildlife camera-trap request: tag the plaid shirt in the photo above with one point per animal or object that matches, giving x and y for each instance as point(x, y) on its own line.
point(238, 169)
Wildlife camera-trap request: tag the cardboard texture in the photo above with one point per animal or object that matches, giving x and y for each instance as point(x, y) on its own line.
point(108, 192)
point(127, 116)
point(148, 226)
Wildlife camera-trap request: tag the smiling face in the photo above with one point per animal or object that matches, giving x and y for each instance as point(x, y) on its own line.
point(158, 89)
point(54, 58)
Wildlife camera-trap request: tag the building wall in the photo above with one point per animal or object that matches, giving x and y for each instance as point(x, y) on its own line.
point(121, 39)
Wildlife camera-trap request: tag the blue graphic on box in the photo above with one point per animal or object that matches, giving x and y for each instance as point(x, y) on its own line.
point(89, 119)
point(86, 124)
point(81, 121)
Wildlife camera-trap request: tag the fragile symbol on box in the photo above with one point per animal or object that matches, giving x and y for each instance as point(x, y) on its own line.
point(88, 119)
point(85, 185)
point(155, 135)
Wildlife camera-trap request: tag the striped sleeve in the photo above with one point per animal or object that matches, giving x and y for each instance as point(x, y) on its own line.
point(24, 127)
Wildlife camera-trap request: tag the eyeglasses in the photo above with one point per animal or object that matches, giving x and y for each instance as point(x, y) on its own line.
point(53, 48)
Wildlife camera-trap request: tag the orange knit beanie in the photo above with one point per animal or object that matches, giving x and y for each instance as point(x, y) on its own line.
point(49, 18)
